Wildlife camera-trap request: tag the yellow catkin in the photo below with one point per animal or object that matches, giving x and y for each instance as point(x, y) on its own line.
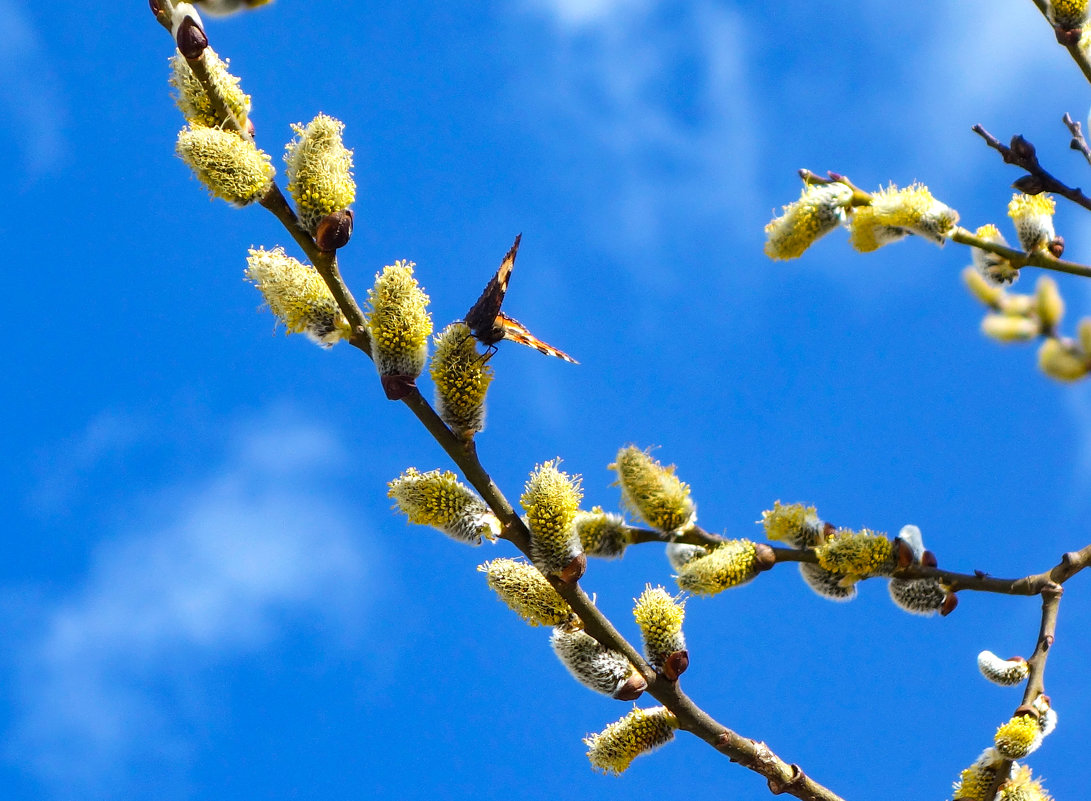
point(526, 592)
point(653, 492)
point(659, 616)
point(820, 209)
point(729, 564)
point(857, 555)
point(614, 748)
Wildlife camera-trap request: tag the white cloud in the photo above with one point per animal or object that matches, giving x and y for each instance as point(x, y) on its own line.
point(112, 673)
point(29, 92)
point(579, 13)
point(662, 89)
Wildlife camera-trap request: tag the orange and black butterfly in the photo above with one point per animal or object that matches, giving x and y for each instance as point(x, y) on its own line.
point(489, 325)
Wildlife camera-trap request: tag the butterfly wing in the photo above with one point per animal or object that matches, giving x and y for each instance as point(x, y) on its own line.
point(482, 317)
point(517, 332)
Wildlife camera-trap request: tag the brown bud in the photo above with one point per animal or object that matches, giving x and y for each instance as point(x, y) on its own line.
point(191, 39)
point(928, 559)
point(1030, 185)
point(1068, 37)
point(905, 553)
point(1056, 247)
point(397, 387)
point(949, 604)
point(632, 689)
point(155, 6)
point(334, 231)
point(675, 665)
point(574, 570)
point(764, 558)
point(250, 127)
point(1022, 148)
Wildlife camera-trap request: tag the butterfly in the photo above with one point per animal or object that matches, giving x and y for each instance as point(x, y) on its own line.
point(489, 325)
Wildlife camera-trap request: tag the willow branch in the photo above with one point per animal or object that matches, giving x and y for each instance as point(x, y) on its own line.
point(273, 200)
point(1051, 602)
point(1022, 154)
point(1069, 40)
point(1079, 142)
point(1018, 258)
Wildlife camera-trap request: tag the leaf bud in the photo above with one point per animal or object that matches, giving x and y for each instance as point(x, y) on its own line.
point(334, 231)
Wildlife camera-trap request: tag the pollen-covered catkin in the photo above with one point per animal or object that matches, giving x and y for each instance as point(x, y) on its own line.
point(895, 211)
point(819, 210)
point(653, 492)
point(995, 269)
point(1022, 786)
point(399, 322)
point(857, 554)
point(193, 100)
point(1018, 737)
point(680, 554)
point(1004, 672)
point(596, 666)
point(526, 592)
point(1068, 14)
point(833, 586)
point(602, 534)
point(659, 616)
point(230, 167)
point(551, 500)
point(793, 524)
point(297, 295)
point(1062, 360)
point(728, 564)
point(461, 378)
point(319, 169)
point(1033, 219)
point(614, 748)
point(439, 500)
point(975, 782)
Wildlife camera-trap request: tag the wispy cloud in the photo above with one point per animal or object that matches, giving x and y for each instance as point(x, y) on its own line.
point(111, 674)
point(662, 90)
point(29, 92)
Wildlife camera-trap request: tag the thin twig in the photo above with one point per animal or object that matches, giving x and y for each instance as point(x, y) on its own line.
point(1051, 602)
point(1022, 154)
point(1078, 141)
point(1019, 259)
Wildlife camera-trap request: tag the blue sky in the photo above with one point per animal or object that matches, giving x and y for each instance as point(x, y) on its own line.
point(204, 593)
